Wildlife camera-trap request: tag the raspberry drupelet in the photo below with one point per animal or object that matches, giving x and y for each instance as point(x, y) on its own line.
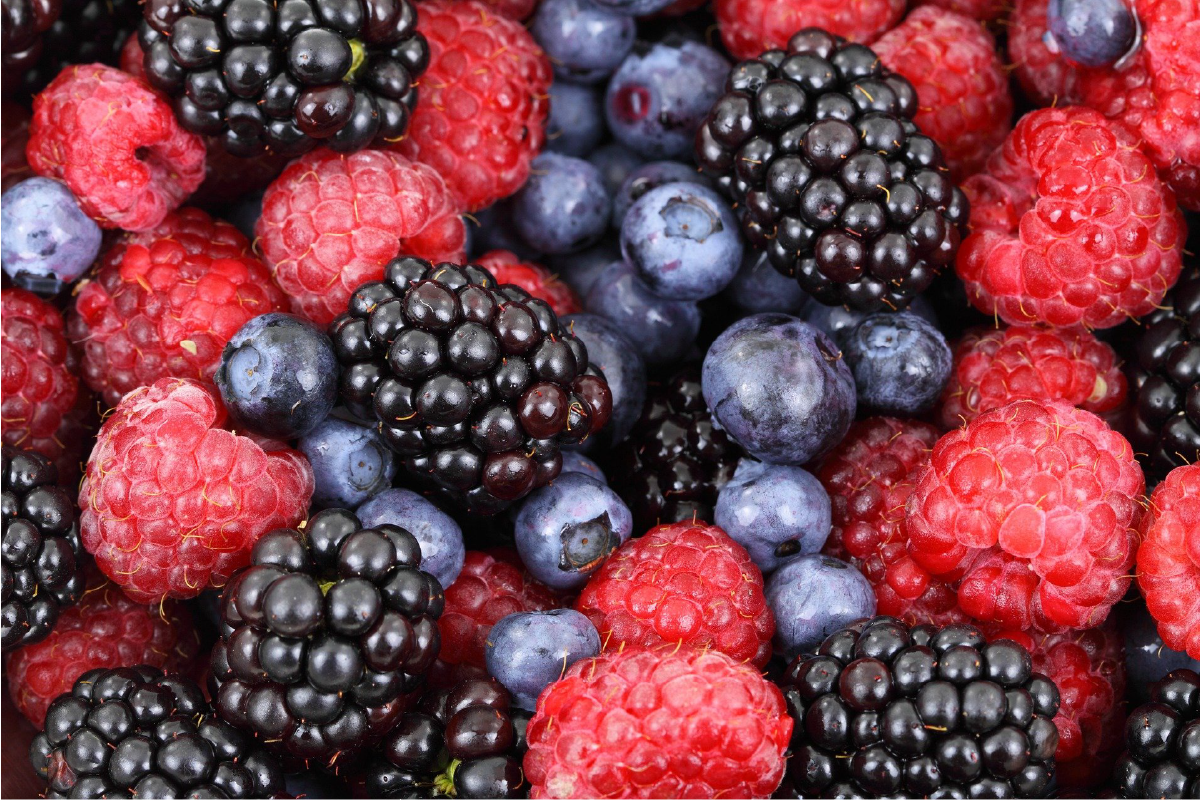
point(1167, 562)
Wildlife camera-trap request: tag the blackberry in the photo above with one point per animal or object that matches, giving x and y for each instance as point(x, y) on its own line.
point(475, 385)
point(137, 732)
point(816, 146)
point(887, 710)
point(673, 463)
point(42, 554)
point(287, 76)
point(329, 631)
point(41, 37)
point(1162, 755)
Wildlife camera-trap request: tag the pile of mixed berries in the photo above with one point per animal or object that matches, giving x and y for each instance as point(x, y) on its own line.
point(600, 398)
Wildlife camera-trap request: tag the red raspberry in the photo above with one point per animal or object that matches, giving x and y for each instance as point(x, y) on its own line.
point(331, 221)
point(165, 302)
point(132, 59)
point(117, 146)
point(749, 27)
point(105, 629)
point(658, 724)
point(1167, 562)
point(992, 368)
point(1031, 508)
point(534, 278)
point(981, 10)
point(685, 584)
point(171, 503)
point(964, 97)
point(516, 10)
point(14, 136)
point(482, 103)
point(1071, 225)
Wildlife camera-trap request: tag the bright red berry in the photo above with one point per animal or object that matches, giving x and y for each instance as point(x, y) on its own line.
point(534, 278)
point(516, 10)
point(1167, 562)
point(749, 27)
point(981, 10)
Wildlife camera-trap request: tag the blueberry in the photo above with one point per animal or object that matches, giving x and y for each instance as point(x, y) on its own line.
point(351, 463)
point(575, 124)
point(646, 177)
point(779, 388)
point(48, 241)
point(564, 206)
point(758, 287)
point(661, 330)
point(493, 229)
point(278, 376)
point(838, 321)
point(634, 8)
point(1148, 658)
point(658, 98)
point(615, 162)
point(531, 649)
point(584, 41)
point(565, 530)
point(576, 462)
point(439, 536)
point(580, 270)
point(1093, 33)
point(900, 363)
point(814, 596)
point(619, 360)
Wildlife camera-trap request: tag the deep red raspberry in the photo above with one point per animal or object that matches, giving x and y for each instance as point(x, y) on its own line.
point(658, 724)
point(331, 221)
point(534, 278)
point(165, 302)
point(516, 10)
point(1167, 562)
point(992, 367)
point(117, 146)
point(964, 96)
point(749, 27)
point(229, 177)
point(1031, 508)
point(482, 104)
point(1071, 225)
point(14, 136)
point(687, 584)
point(132, 59)
point(171, 503)
point(981, 10)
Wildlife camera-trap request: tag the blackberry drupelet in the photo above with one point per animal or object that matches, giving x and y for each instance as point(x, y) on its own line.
point(816, 146)
point(885, 710)
point(137, 732)
point(43, 36)
point(329, 631)
point(1162, 755)
point(42, 554)
point(475, 385)
point(287, 76)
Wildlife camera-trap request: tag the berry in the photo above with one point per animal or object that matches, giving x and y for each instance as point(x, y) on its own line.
point(49, 241)
point(564, 206)
point(584, 40)
point(576, 123)
point(575, 462)
point(812, 596)
point(350, 462)
point(438, 535)
point(528, 651)
point(1162, 737)
point(14, 135)
point(646, 177)
point(615, 355)
point(580, 270)
point(635, 8)
point(991, 11)
point(332, 221)
point(1167, 561)
point(758, 287)
point(614, 161)
point(662, 330)
point(838, 322)
point(1091, 33)
point(93, 122)
point(172, 503)
point(535, 279)
point(751, 26)
point(1149, 659)
point(900, 363)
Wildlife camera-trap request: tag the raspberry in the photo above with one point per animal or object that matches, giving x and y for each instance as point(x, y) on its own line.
point(164, 303)
point(331, 221)
point(1167, 561)
point(516, 10)
point(95, 122)
point(964, 98)
point(981, 10)
point(658, 724)
point(1071, 225)
point(751, 26)
point(105, 629)
point(992, 368)
point(869, 477)
point(1031, 509)
point(171, 503)
point(685, 584)
point(482, 104)
point(536, 279)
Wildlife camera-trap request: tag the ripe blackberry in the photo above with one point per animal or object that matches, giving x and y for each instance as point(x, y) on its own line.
point(673, 463)
point(42, 554)
point(137, 732)
point(885, 710)
point(330, 629)
point(1162, 758)
point(816, 146)
point(475, 385)
point(43, 36)
point(286, 76)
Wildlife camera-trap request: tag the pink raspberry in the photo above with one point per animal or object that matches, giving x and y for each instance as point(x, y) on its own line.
point(981, 10)
point(536, 279)
point(749, 27)
point(1167, 563)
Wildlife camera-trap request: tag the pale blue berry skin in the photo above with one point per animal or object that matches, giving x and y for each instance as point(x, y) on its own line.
point(838, 321)
point(351, 463)
point(646, 177)
point(1093, 33)
point(577, 462)
point(529, 650)
point(439, 536)
point(565, 530)
point(759, 287)
point(778, 513)
point(564, 206)
point(634, 8)
point(779, 388)
point(584, 41)
point(580, 270)
point(615, 162)
point(662, 330)
point(619, 360)
point(48, 241)
point(493, 229)
point(900, 363)
point(813, 597)
point(1148, 658)
point(575, 125)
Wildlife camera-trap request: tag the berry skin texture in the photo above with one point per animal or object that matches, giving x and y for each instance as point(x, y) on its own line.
point(964, 98)
point(482, 104)
point(1167, 561)
point(331, 222)
point(683, 584)
point(981, 10)
point(164, 303)
point(1031, 509)
point(992, 368)
point(1071, 225)
point(171, 503)
point(536, 279)
point(658, 724)
point(94, 122)
point(751, 26)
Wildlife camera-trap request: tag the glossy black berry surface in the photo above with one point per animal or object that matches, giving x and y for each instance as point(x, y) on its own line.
point(1161, 758)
